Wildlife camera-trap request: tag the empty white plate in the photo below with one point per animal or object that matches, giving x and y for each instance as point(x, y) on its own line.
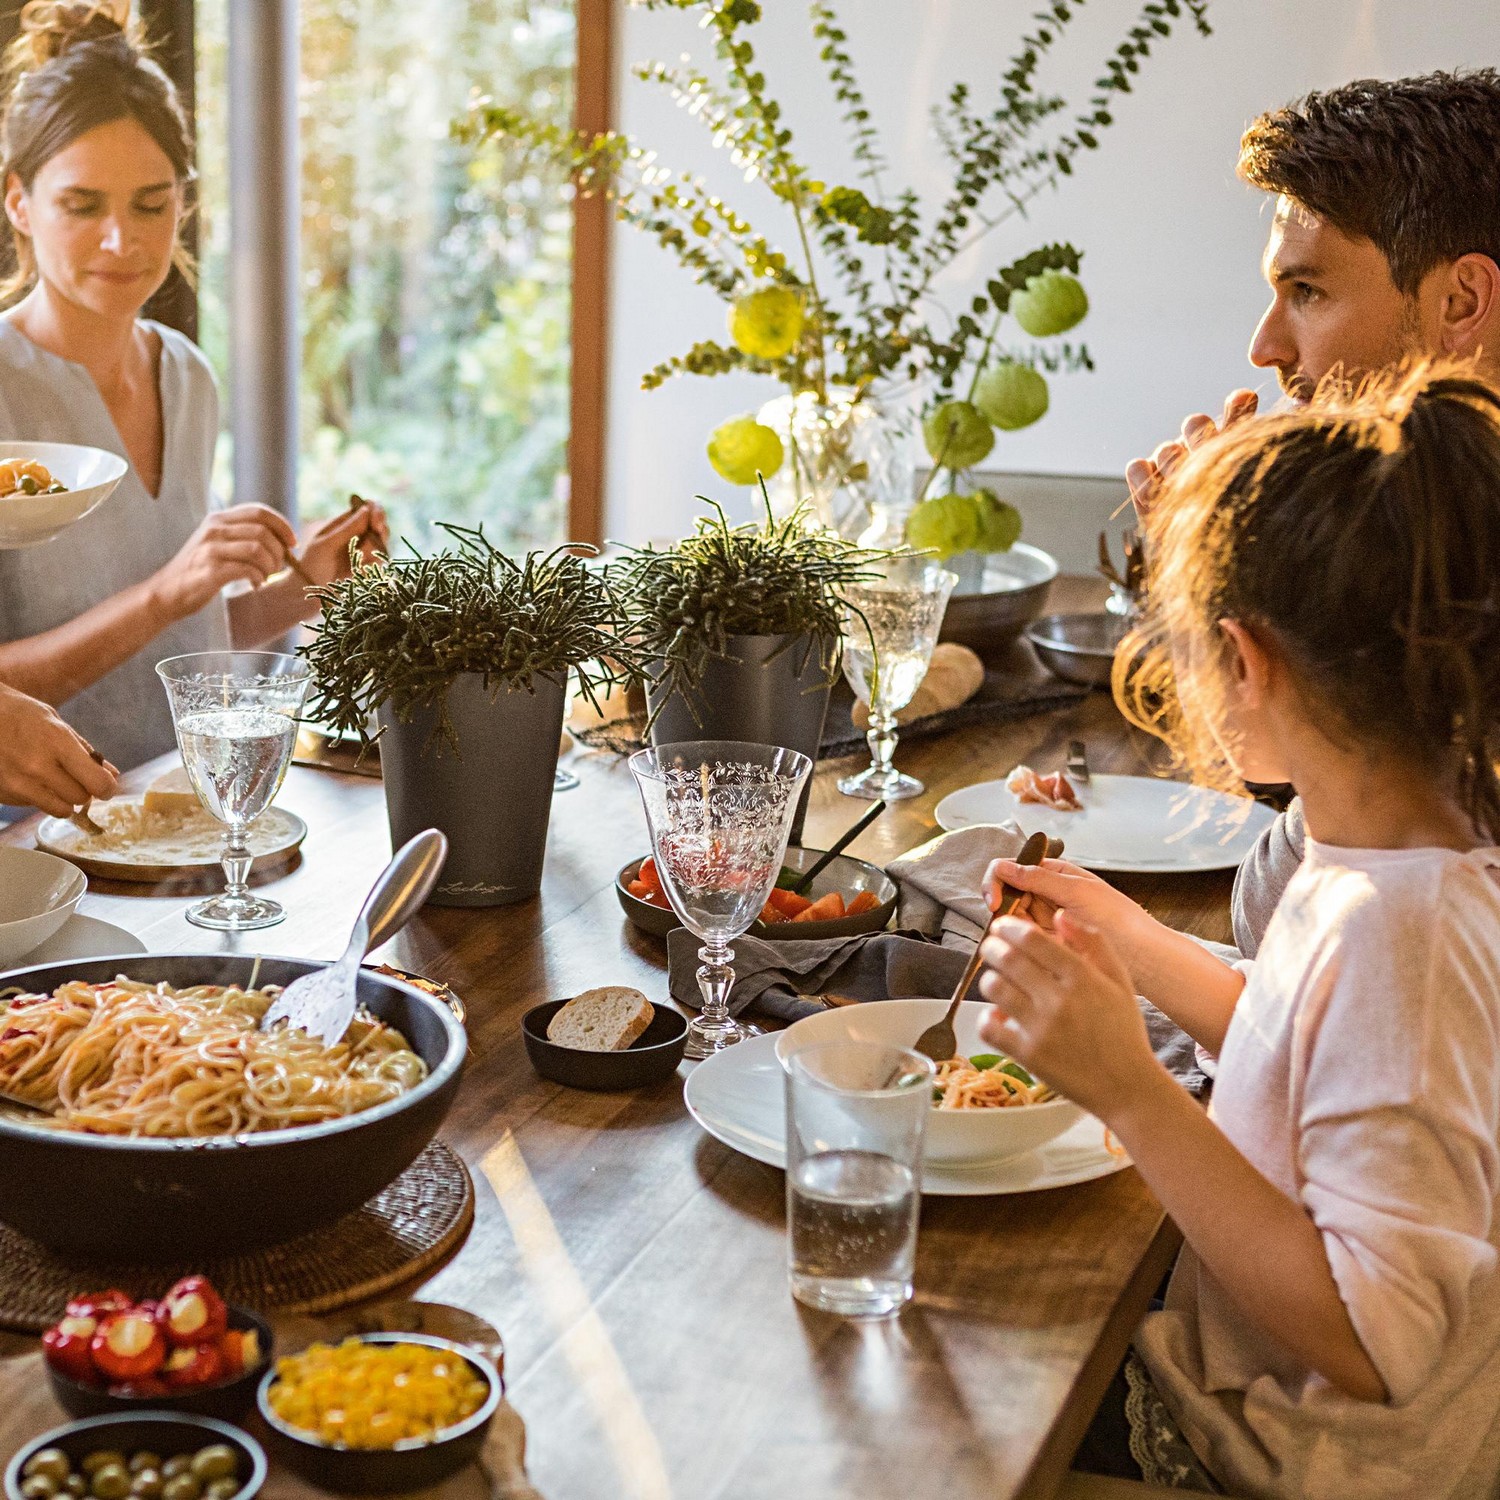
point(1129, 824)
point(83, 937)
point(737, 1096)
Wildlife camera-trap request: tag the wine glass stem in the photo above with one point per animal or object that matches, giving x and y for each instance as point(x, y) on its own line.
point(715, 976)
point(881, 737)
point(236, 861)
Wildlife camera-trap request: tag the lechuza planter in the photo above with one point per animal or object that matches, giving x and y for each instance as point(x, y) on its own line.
point(492, 797)
point(768, 689)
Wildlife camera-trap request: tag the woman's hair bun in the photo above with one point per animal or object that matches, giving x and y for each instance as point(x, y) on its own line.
point(50, 27)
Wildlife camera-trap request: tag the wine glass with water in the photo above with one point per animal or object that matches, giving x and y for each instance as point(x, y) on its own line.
point(719, 812)
point(236, 719)
point(891, 625)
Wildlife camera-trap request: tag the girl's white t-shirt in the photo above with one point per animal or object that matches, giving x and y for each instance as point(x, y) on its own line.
point(1361, 1075)
point(44, 398)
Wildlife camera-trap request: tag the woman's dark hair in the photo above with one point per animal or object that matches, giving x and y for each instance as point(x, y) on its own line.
point(1360, 538)
point(76, 65)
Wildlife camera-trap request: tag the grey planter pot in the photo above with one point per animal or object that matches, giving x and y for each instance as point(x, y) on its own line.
point(752, 697)
point(493, 799)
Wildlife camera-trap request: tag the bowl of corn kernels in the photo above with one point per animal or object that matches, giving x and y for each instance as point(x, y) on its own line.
point(379, 1412)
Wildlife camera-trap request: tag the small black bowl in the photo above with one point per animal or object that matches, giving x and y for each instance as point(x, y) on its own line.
point(164, 1433)
point(411, 1464)
point(652, 1058)
point(229, 1400)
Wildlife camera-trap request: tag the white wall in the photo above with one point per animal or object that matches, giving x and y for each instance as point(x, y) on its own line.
point(1171, 239)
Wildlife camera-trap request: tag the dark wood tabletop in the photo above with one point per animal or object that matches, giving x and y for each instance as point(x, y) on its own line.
point(636, 1267)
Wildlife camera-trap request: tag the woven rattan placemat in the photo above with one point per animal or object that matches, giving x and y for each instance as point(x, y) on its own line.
point(401, 1232)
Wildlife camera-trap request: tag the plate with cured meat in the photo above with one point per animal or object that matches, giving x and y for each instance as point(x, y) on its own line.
point(1124, 824)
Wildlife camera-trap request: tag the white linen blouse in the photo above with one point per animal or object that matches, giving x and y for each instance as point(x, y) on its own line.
point(45, 398)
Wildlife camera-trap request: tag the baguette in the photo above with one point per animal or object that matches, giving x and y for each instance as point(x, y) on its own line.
point(608, 1019)
point(954, 675)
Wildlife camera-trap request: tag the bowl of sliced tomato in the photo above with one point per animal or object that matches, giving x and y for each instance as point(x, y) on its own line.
point(848, 896)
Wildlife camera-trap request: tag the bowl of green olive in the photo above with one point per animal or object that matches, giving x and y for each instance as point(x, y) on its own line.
point(147, 1456)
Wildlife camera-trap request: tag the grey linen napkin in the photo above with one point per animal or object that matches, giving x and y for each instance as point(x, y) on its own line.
point(924, 957)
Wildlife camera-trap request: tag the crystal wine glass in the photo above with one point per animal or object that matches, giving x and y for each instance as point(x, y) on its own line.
point(719, 812)
point(236, 718)
point(891, 624)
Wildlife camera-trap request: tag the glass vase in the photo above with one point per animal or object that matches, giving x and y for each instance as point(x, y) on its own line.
point(849, 457)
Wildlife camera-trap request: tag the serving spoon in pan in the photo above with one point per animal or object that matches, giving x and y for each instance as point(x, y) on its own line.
point(323, 1003)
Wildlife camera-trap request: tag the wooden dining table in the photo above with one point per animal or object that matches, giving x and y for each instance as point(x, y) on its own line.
point(636, 1267)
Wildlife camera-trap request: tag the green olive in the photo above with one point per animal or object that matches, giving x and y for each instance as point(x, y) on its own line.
point(99, 1458)
point(50, 1463)
point(181, 1487)
point(215, 1462)
point(110, 1482)
point(146, 1484)
point(179, 1463)
point(145, 1459)
point(28, 485)
point(222, 1489)
point(38, 1487)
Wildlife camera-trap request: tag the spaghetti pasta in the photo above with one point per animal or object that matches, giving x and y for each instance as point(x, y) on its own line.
point(137, 1059)
point(962, 1083)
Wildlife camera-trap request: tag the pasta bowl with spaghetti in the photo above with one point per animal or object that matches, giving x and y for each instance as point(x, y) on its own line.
point(985, 1115)
point(168, 1135)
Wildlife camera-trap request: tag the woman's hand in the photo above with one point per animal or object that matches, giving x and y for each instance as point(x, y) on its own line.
point(1065, 1008)
point(44, 762)
point(246, 543)
point(325, 547)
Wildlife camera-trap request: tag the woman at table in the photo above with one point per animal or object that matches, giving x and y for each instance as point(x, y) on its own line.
point(97, 162)
point(1326, 586)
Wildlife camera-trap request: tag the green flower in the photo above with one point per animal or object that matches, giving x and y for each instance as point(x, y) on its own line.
point(999, 522)
point(767, 323)
point(741, 450)
point(1050, 304)
point(1011, 395)
point(957, 436)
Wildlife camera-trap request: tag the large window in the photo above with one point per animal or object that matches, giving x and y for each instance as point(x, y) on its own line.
point(435, 288)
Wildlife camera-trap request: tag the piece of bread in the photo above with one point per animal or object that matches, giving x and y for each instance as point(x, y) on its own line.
point(603, 1020)
point(171, 793)
point(954, 675)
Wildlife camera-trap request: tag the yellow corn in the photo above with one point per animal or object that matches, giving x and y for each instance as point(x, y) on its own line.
point(361, 1395)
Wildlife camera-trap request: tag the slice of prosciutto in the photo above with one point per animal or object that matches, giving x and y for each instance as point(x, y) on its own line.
point(1054, 791)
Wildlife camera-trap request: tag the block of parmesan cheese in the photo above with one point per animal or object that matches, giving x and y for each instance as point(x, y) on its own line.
point(603, 1020)
point(171, 793)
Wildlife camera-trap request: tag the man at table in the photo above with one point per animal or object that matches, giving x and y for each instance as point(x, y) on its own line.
point(1385, 243)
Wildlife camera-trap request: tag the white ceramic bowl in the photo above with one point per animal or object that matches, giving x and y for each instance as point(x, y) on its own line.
point(955, 1137)
point(90, 474)
point(37, 895)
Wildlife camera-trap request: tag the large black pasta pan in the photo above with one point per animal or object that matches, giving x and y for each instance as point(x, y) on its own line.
point(154, 1200)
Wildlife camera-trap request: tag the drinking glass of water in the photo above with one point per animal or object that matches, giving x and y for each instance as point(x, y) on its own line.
point(891, 624)
point(719, 812)
point(236, 719)
point(856, 1113)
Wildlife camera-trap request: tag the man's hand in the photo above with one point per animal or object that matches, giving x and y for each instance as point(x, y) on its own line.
point(245, 542)
point(1145, 475)
point(45, 763)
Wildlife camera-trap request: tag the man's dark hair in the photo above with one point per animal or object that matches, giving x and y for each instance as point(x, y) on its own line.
point(1410, 163)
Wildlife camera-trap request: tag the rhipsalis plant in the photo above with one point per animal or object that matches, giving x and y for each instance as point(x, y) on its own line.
point(401, 629)
point(849, 305)
point(773, 577)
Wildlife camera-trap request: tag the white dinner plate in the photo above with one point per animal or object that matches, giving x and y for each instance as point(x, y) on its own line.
point(1129, 824)
point(737, 1097)
point(82, 937)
